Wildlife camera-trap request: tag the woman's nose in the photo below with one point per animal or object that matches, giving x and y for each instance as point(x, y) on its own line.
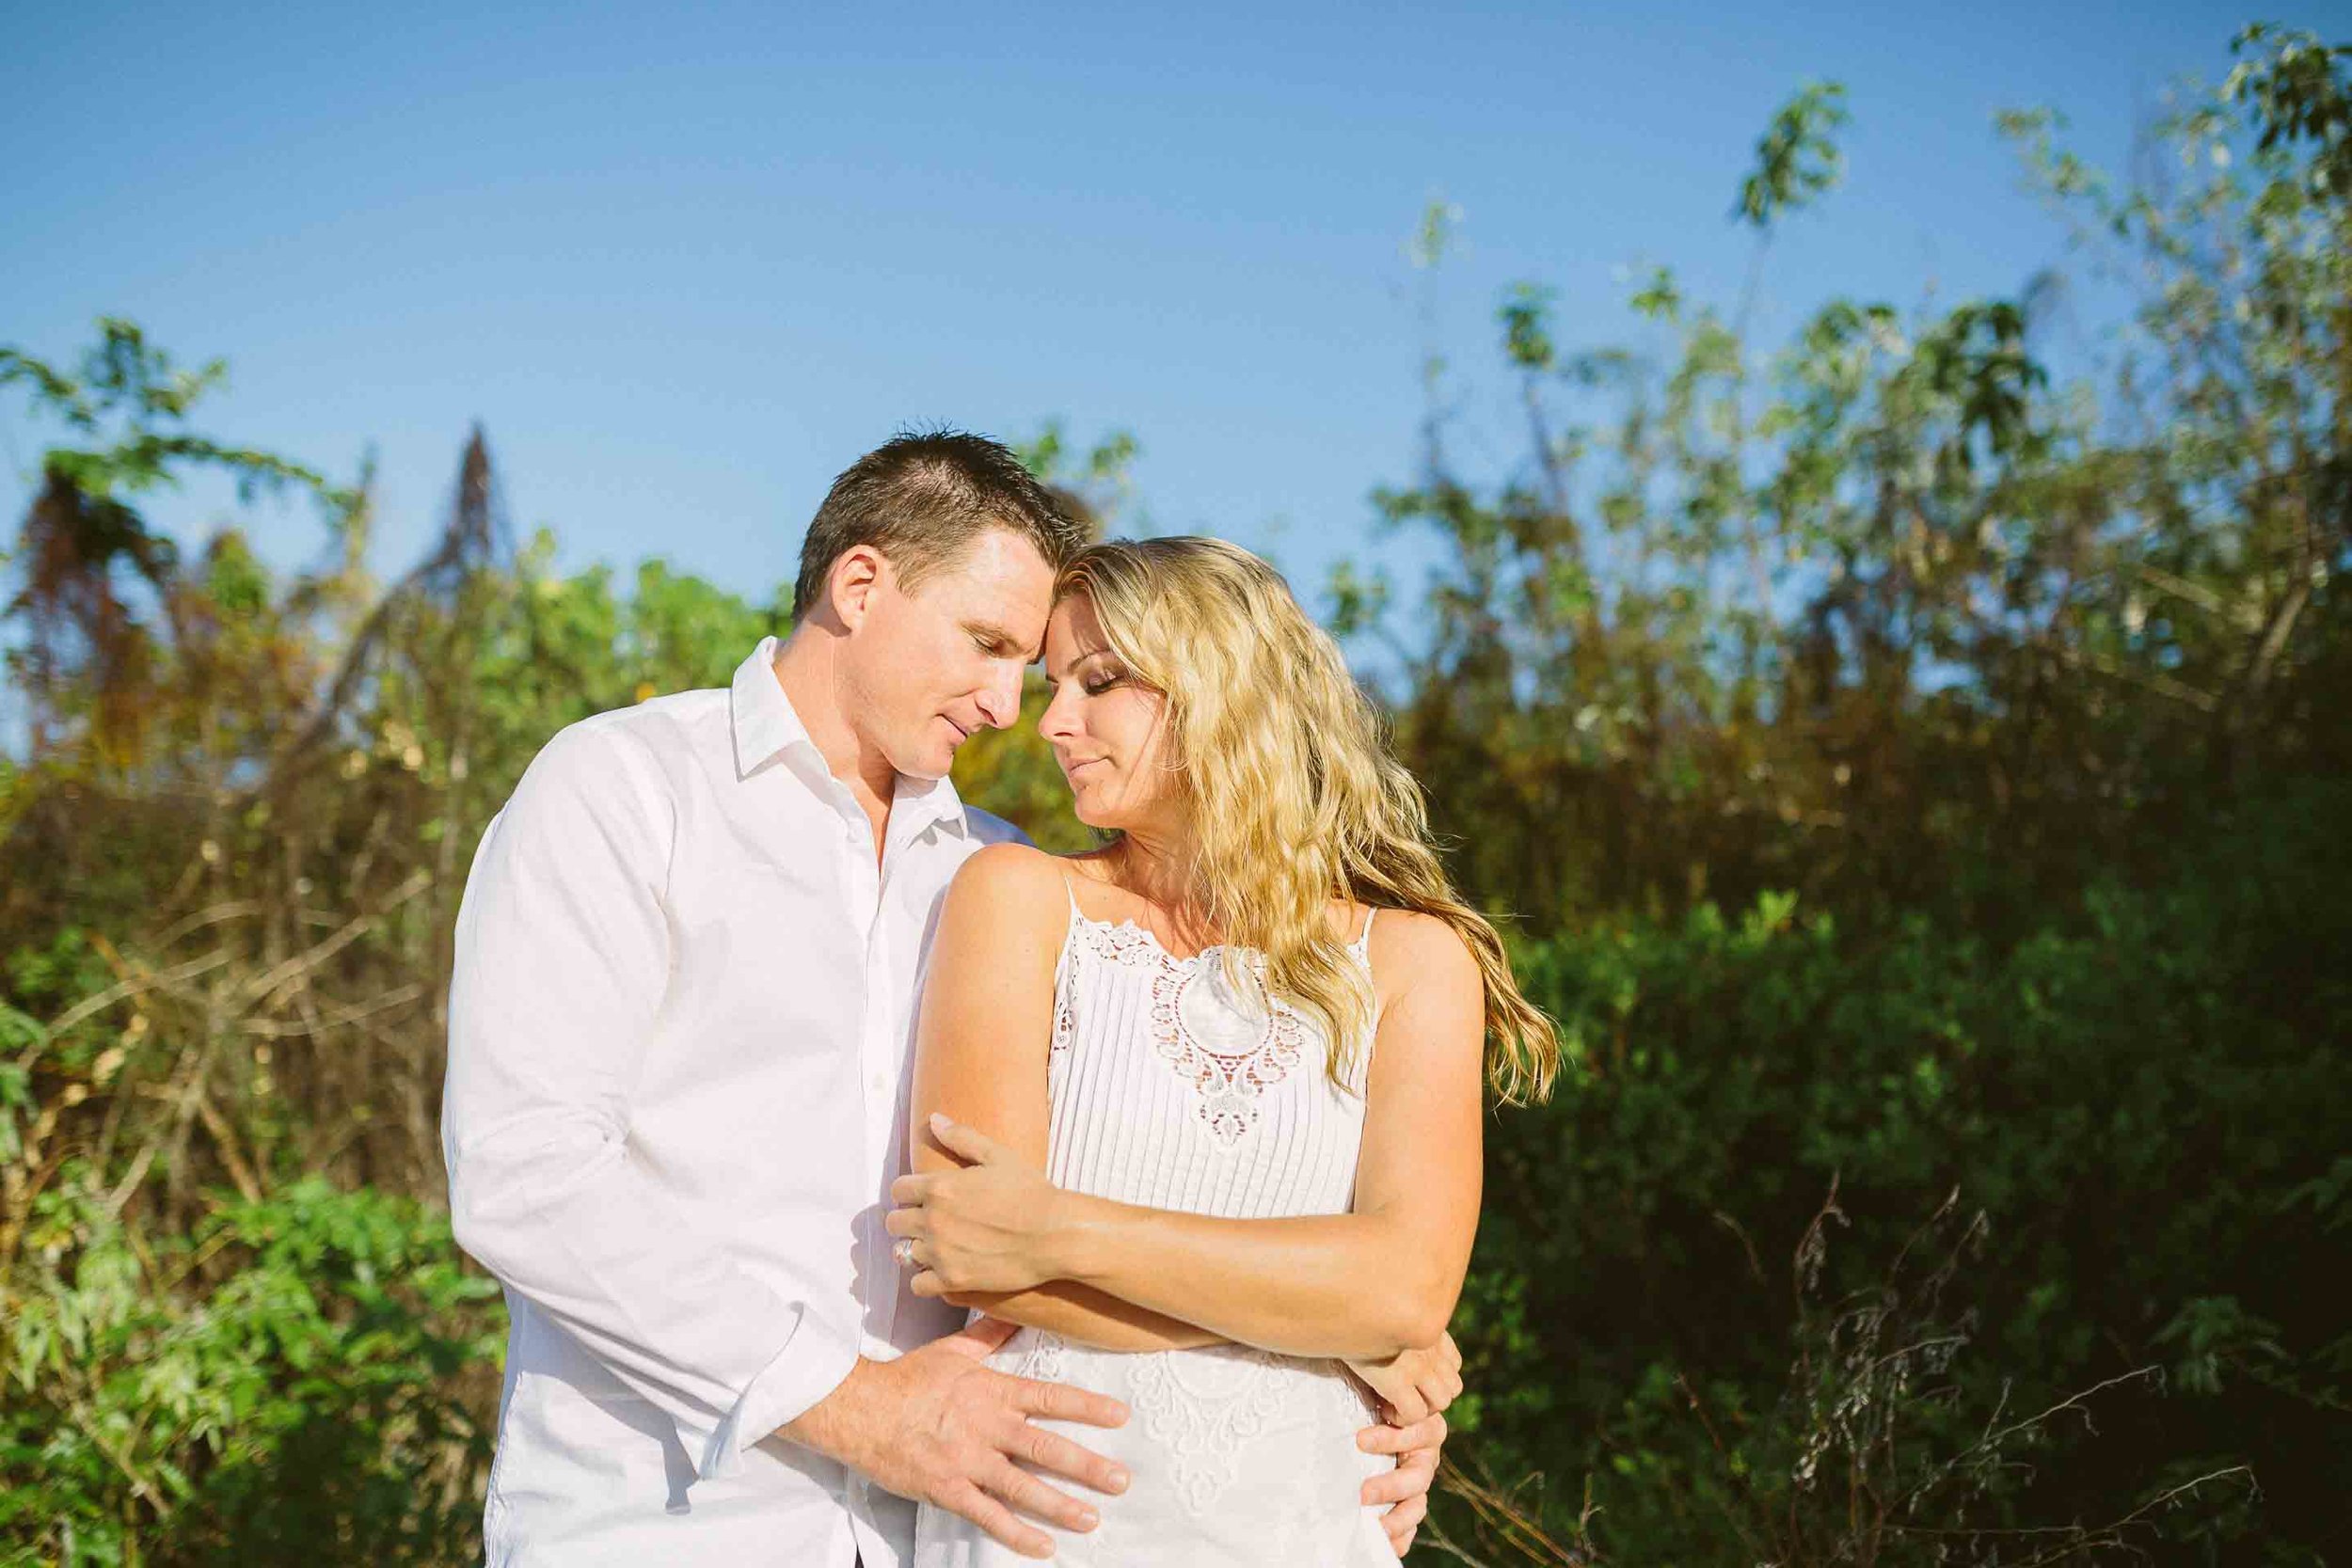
point(1054, 720)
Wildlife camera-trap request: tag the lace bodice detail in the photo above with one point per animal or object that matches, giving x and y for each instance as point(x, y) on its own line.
point(1173, 1087)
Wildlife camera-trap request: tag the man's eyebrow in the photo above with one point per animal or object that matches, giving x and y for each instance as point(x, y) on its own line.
point(989, 632)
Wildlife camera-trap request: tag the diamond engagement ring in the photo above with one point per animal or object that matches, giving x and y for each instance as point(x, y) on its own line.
point(903, 1249)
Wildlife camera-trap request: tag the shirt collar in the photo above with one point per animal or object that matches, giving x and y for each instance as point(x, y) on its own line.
point(766, 726)
point(921, 803)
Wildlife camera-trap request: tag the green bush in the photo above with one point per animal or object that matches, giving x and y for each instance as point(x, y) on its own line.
point(2138, 1115)
point(296, 1381)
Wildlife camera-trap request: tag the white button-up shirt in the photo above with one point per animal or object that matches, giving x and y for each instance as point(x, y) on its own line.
point(680, 1028)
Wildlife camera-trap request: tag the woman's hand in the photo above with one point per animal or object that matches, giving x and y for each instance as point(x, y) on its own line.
point(1414, 1384)
point(986, 1227)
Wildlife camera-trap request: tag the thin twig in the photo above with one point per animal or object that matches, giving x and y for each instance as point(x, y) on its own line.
point(336, 1018)
point(120, 991)
point(275, 979)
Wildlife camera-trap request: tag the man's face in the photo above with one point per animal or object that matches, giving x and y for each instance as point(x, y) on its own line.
point(928, 668)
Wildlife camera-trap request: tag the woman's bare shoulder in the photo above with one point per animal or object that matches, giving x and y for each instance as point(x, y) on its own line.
point(1011, 870)
point(1420, 950)
point(1015, 882)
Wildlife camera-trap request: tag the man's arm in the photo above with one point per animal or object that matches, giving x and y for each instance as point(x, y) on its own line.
point(562, 959)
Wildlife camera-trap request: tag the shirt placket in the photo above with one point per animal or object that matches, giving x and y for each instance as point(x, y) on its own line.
point(880, 1083)
point(878, 1270)
point(878, 1077)
point(861, 910)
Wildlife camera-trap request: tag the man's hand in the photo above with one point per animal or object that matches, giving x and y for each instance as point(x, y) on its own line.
point(1406, 1487)
point(1414, 1383)
point(984, 1227)
point(937, 1426)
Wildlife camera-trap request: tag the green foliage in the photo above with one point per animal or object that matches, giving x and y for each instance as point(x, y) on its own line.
point(2006, 712)
point(293, 1372)
point(2294, 86)
point(1527, 328)
point(127, 383)
point(1796, 159)
point(1886, 616)
point(2137, 1111)
point(1101, 479)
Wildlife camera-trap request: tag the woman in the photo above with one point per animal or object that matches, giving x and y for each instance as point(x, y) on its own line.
point(1249, 1030)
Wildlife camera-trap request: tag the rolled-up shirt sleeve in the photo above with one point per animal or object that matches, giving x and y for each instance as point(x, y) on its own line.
point(560, 965)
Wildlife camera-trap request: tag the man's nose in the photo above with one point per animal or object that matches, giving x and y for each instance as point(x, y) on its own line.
point(1000, 703)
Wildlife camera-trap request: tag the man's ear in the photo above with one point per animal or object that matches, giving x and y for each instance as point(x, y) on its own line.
point(858, 573)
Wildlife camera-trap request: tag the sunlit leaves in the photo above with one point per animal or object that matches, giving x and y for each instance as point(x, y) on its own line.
point(1435, 235)
point(1101, 478)
point(1526, 316)
point(2298, 89)
point(1798, 157)
point(1974, 361)
point(1659, 297)
point(133, 395)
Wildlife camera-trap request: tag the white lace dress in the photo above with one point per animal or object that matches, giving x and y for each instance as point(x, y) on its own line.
point(1167, 1092)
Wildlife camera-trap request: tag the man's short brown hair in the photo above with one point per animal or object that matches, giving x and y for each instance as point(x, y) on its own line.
point(922, 498)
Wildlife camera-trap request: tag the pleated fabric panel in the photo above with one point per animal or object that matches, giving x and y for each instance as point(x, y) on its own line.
point(1173, 1090)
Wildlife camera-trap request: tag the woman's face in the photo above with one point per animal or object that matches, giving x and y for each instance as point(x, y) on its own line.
point(1106, 727)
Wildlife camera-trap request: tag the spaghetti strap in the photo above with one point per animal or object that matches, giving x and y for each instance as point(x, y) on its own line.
point(1362, 946)
point(1070, 887)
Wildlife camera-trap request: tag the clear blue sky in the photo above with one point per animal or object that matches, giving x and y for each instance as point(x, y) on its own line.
point(687, 262)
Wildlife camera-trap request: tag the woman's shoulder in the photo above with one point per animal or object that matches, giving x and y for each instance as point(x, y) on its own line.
point(1006, 896)
point(1420, 948)
point(1396, 933)
point(1013, 871)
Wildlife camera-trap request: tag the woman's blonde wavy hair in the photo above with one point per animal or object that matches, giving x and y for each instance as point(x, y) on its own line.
point(1295, 799)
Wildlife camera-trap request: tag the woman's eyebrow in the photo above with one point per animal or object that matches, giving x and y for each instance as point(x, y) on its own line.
point(1080, 658)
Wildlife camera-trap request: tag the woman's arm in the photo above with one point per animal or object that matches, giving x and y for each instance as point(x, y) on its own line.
point(1365, 1285)
point(981, 1046)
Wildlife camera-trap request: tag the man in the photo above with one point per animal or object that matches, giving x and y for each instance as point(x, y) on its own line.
point(679, 1033)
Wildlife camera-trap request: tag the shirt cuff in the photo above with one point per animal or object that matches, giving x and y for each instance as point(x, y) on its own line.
point(812, 1363)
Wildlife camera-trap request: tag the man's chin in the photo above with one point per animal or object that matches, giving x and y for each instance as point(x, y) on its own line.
point(929, 766)
point(932, 754)
point(941, 757)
